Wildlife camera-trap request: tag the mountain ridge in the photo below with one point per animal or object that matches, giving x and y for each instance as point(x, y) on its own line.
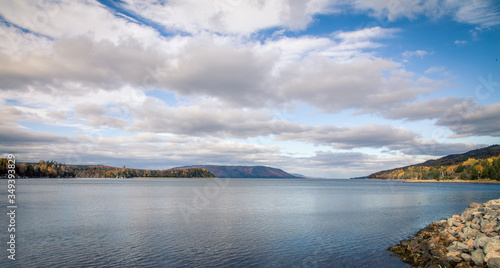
point(481, 163)
point(221, 171)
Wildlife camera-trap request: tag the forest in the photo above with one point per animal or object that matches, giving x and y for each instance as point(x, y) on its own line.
point(53, 169)
point(471, 169)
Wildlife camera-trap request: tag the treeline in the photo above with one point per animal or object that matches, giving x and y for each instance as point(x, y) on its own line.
point(53, 169)
point(471, 169)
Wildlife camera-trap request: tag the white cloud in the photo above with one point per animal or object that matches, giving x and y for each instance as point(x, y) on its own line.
point(58, 19)
point(207, 119)
point(366, 85)
point(230, 16)
point(430, 109)
point(375, 136)
point(476, 121)
point(435, 69)
point(485, 13)
point(419, 53)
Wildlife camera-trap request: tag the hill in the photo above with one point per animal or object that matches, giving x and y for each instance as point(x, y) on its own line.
point(456, 159)
point(244, 171)
point(473, 165)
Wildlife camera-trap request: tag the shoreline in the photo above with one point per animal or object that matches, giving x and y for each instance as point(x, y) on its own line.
point(468, 240)
point(441, 181)
point(453, 181)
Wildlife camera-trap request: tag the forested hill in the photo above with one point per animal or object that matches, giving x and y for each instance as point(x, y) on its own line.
point(473, 165)
point(53, 169)
point(456, 159)
point(245, 171)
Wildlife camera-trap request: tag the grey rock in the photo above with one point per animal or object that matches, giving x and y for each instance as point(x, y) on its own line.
point(453, 222)
point(480, 242)
point(472, 233)
point(475, 205)
point(493, 244)
point(491, 255)
point(494, 263)
point(452, 247)
point(462, 247)
point(466, 257)
point(487, 226)
point(462, 236)
point(475, 226)
point(478, 257)
point(495, 207)
point(491, 212)
point(493, 202)
point(453, 257)
point(466, 215)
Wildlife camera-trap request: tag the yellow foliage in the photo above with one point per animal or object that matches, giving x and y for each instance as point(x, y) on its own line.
point(470, 162)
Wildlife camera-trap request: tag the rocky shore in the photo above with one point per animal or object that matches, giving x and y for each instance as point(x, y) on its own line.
point(467, 240)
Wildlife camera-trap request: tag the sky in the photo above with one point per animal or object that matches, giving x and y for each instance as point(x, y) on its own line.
point(323, 88)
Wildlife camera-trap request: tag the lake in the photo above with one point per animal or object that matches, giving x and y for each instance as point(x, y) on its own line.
point(223, 222)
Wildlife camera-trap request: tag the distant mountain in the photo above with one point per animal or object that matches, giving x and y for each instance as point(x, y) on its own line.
point(481, 163)
point(244, 171)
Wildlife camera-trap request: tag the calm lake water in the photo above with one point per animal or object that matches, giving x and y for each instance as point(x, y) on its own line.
point(223, 222)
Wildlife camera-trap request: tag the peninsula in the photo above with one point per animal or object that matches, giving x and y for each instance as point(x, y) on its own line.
point(479, 166)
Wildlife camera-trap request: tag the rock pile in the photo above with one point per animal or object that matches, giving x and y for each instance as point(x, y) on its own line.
point(468, 240)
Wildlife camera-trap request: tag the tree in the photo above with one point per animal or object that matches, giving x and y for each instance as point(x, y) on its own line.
point(460, 168)
point(495, 170)
point(474, 173)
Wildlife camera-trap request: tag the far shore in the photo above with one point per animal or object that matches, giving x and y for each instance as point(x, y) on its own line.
point(446, 181)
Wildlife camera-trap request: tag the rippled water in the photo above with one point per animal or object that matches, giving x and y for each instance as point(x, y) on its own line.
point(224, 222)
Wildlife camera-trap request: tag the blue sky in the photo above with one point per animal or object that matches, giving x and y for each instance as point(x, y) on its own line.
point(325, 88)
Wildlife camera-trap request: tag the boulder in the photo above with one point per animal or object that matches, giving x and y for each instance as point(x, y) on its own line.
point(453, 257)
point(475, 226)
point(492, 234)
point(488, 226)
point(494, 263)
point(475, 205)
point(477, 257)
point(493, 201)
point(481, 241)
point(457, 246)
point(492, 245)
point(492, 255)
point(495, 207)
point(472, 233)
point(466, 215)
point(466, 257)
